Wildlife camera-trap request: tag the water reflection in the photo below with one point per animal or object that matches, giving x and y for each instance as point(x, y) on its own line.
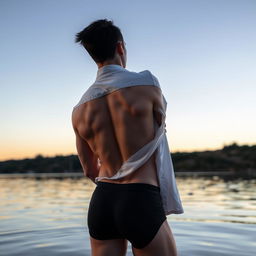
point(43, 216)
point(203, 199)
point(211, 200)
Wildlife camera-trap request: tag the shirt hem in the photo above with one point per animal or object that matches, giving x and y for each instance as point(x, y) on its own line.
point(174, 212)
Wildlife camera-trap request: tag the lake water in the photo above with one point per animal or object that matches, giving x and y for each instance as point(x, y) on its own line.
point(48, 217)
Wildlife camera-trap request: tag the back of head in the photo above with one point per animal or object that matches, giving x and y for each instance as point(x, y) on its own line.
point(100, 39)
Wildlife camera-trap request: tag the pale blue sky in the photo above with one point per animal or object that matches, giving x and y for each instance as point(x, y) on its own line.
point(202, 51)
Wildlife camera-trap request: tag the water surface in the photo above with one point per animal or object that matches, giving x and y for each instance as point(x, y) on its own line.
point(48, 217)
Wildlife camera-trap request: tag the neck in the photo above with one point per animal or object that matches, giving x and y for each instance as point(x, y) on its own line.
point(115, 62)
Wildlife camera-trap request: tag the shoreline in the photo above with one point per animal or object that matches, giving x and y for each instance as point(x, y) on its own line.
point(81, 175)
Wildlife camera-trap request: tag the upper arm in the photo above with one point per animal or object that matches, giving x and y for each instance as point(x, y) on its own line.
point(159, 101)
point(86, 156)
point(159, 105)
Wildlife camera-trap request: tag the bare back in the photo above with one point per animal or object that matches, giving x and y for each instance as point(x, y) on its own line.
point(119, 124)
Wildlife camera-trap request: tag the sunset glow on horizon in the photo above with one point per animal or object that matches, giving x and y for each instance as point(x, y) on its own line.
point(202, 52)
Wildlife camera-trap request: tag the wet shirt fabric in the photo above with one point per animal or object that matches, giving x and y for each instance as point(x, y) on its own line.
point(114, 77)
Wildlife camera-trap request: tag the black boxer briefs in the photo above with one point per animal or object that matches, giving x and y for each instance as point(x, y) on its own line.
point(131, 211)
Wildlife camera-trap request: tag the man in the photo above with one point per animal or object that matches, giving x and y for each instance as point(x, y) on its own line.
point(116, 140)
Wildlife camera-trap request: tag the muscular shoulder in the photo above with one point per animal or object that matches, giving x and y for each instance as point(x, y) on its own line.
point(154, 79)
point(157, 94)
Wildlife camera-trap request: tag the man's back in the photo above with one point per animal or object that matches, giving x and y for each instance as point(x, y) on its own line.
point(115, 122)
point(119, 124)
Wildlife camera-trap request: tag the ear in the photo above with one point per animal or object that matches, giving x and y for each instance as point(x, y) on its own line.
point(120, 48)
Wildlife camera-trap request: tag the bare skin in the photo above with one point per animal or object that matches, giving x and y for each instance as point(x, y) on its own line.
point(112, 128)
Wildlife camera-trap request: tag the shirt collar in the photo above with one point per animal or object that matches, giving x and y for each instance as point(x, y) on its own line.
point(109, 68)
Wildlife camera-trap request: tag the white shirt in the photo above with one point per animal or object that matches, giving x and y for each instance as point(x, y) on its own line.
point(114, 77)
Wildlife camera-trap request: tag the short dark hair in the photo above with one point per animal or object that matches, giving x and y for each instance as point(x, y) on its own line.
point(100, 39)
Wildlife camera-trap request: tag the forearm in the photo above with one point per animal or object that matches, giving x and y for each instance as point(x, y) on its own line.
point(92, 178)
point(93, 172)
point(92, 175)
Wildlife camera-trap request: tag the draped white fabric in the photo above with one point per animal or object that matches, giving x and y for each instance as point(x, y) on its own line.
point(114, 77)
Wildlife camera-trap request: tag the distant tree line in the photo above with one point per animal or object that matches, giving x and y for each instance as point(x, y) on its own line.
point(40, 164)
point(239, 159)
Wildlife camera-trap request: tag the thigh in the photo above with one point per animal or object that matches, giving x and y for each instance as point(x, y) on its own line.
point(162, 244)
point(113, 247)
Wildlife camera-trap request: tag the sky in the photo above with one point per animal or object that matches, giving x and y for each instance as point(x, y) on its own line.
point(203, 53)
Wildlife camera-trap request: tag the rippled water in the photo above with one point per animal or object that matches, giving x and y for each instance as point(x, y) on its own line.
point(48, 217)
